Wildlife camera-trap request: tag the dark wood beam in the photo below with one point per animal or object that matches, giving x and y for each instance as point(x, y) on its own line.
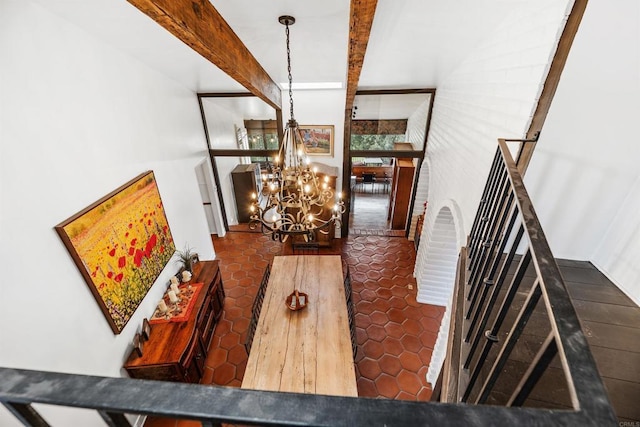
point(551, 82)
point(360, 22)
point(198, 24)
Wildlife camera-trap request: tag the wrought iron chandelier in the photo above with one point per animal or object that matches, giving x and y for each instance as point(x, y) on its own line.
point(294, 201)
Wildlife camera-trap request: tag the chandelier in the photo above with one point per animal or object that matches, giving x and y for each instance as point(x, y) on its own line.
point(294, 201)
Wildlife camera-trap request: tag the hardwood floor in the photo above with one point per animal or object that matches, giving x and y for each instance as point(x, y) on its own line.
point(611, 323)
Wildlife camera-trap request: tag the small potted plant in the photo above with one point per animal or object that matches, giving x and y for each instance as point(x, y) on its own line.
point(185, 257)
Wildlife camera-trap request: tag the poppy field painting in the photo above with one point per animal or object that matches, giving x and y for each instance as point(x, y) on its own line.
point(120, 244)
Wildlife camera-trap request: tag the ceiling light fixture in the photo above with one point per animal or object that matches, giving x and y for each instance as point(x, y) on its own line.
point(293, 200)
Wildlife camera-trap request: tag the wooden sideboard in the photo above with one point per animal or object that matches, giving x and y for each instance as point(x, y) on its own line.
point(176, 351)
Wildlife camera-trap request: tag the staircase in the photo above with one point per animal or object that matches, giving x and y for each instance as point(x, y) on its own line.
point(515, 339)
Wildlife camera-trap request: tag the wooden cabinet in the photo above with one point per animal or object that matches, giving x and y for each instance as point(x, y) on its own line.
point(245, 180)
point(401, 187)
point(176, 351)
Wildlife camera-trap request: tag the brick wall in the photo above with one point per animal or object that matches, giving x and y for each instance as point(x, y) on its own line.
point(491, 95)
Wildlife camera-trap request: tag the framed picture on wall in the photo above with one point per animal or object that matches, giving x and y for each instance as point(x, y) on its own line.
point(120, 244)
point(318, 139)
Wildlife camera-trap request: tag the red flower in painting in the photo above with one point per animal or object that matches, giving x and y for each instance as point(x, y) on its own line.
point(118, 278)
point(149, 222)
point(110, 274)
point(130, 225)
point(102, 285)
point(131, 250)
point(122, 261)
point(161, 249)
point(150, 245)
point(134, 241)
point(112, 252)
point(137, 259)
point(164, 229)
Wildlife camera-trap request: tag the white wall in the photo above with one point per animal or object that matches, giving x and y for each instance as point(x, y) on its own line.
point(222, 115)
point(584, 172)
point(416, 130)
point(77, 120)
point(320, 107)
point(491, 95)
point(417, 124)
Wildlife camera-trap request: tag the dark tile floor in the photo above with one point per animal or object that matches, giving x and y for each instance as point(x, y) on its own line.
point(395, 334)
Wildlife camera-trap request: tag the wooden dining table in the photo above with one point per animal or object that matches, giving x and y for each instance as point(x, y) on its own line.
point(309, 350)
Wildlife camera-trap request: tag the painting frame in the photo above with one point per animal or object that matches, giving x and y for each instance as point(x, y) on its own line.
point(120, 244)
point(318, 139)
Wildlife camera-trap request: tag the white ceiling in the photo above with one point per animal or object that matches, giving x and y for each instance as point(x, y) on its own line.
point(414, 43)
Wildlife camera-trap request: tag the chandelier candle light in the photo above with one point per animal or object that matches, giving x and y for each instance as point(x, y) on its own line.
point(296, 199)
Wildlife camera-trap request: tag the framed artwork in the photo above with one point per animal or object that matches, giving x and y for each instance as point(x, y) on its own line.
point(318, 139)
point(120, 244)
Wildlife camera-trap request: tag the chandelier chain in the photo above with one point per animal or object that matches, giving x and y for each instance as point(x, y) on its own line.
point(289, 73)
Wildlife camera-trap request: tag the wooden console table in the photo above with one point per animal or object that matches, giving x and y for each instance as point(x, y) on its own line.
point(305, 351)
point(176, 351)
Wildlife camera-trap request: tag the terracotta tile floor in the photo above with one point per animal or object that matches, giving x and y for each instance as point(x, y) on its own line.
point(395, 334)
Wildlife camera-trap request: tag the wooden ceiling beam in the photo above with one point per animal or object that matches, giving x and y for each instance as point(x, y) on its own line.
point(198, 24)
point(360, 22)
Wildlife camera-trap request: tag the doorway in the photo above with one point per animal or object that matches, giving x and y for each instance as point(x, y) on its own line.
point(387, 132)
point(371, 179)
point(209, 197)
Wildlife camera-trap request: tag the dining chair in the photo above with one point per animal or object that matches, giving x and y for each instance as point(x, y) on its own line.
point(386, 183)
point(259, 299)
point(369, 178)
point(347, 286)
point(251, 331)
point(350, 311)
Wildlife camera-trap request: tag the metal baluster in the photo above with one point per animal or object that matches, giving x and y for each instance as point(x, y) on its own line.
point(483, 199)
point(114, 419)
point(494, 236)
point(510, 343)
point(26, 414)
point(487, 198)
point(491, 335)
point(498, 283)
point(537, 367)
point(483, 243)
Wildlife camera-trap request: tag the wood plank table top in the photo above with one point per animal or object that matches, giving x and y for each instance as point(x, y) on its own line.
point(305, 351)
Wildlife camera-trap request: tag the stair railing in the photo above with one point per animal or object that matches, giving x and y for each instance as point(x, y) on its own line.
point(507, 254)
